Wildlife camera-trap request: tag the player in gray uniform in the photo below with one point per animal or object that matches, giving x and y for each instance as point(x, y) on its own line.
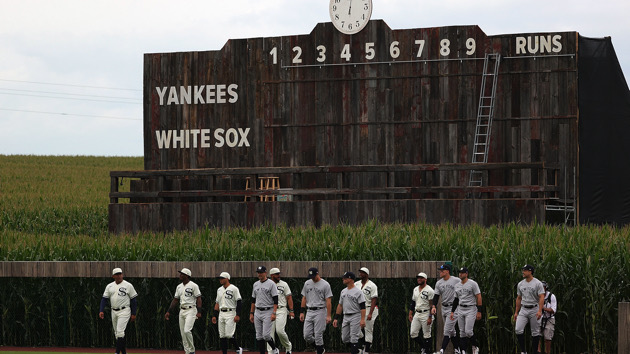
point(445, 287)
point(122, 297)
point(263, 310)
point(529, 306)
point(316, 298)
point(188, 296)
point(467, 306)
point(352, 305)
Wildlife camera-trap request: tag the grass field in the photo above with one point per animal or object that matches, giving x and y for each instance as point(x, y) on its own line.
point(55, 208)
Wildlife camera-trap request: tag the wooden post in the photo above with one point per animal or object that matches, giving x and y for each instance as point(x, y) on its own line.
point(113, 188)
point(623, 331)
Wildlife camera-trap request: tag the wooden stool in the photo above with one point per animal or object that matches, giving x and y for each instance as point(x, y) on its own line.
point(267, 183)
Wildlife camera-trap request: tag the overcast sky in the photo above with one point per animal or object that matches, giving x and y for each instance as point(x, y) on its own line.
point(71, 71)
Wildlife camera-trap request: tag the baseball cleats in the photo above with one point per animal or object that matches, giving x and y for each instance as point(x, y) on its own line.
point(276, 351)
point(239, 350)
point(475, 350)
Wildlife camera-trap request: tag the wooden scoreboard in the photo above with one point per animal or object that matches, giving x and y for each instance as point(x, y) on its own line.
point(380, 124)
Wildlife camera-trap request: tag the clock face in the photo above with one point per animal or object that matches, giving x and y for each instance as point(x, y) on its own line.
point(350, 16)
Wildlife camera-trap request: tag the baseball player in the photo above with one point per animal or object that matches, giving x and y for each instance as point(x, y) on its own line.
point(549, 318)
point(228, 304)
point(316, 298)
point(370, 290)
point(530, 300)
point(122, 297)
point(467, 307)
point(352, 305)
point(264, 309)
point(188, 296)
point(419, 314)
point(445, 287)
point(285, 308)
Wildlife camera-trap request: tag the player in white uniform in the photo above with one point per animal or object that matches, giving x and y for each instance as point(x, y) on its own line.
point(530, 301)
point(445, 287)
point(285, 308)
point(122, 299)
point(228, 304)
point(467, 306)
point(370, 290)
point(420, 315)
point(188, 296)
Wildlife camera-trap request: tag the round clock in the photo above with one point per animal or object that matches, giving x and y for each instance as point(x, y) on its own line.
point(350, 16)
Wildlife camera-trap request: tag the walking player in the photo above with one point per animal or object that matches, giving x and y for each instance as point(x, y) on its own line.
point(228, 303)
point(467, 308)
point(529, 305)
point(446, 288)
point(316, 295)
point(370, 290)
point(188, 296)
point(122, 297)
point(285, 307)
point(548, 323)
point(263, 310)
point(420, 316)
point(352, 305)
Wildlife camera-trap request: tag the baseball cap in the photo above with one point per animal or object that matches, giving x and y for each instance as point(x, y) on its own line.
point(463, 270)
point(186, 271)
point(274, 271)
point(421, 275)
point(364, 270)
point(528, 267)
point(116, 271)
point(312, 272)
point(225, 275)
point(446, 267)
point(545, 285)
point(261, 269)
point(349, 275)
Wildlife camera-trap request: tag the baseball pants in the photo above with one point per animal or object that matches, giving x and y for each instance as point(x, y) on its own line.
point(120, 319)
point(466, 317)
point(527, 315)
point(187, 318)
point(449, 325)
point(278, 326)
point(369, 324)
point(420, 321)
point(351, 328)
point(262, 322)
point(226, 323)
point(314, 326)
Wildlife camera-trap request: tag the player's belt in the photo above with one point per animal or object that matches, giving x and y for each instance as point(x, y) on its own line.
point(281, 307)
point(466, 305)
point(187, 307)
point(350, 314)
point(226, 310)
point(122, 308)
point(444, 304)
point(263, 308)
point(315, 308)
point(421, 311)
point(530, 306)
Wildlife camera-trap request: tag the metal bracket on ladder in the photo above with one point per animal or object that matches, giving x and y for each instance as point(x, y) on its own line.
point(485, 112)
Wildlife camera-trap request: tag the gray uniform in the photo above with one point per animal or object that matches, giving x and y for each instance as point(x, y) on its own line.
point(262, 294)
point(446, 290)
point(529, 293)
point(350, 301)
point(316, 294)
point(467, 309)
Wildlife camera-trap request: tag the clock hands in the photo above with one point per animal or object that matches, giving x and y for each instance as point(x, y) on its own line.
point(350, 8)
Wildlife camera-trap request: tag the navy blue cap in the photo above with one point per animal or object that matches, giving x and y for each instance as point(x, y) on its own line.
point(528, 267)
point(261, 269)
point(349, 275)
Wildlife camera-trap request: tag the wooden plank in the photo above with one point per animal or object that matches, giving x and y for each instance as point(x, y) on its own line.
point(623, 335)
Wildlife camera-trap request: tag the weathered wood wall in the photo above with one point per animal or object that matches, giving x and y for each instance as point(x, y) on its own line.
point(624, 328)
point(103, 269)
point(191, 216)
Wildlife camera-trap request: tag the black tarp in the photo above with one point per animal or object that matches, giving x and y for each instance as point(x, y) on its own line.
point(604, 134)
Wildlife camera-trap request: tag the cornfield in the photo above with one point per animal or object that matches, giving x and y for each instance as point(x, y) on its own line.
point(586, 266)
